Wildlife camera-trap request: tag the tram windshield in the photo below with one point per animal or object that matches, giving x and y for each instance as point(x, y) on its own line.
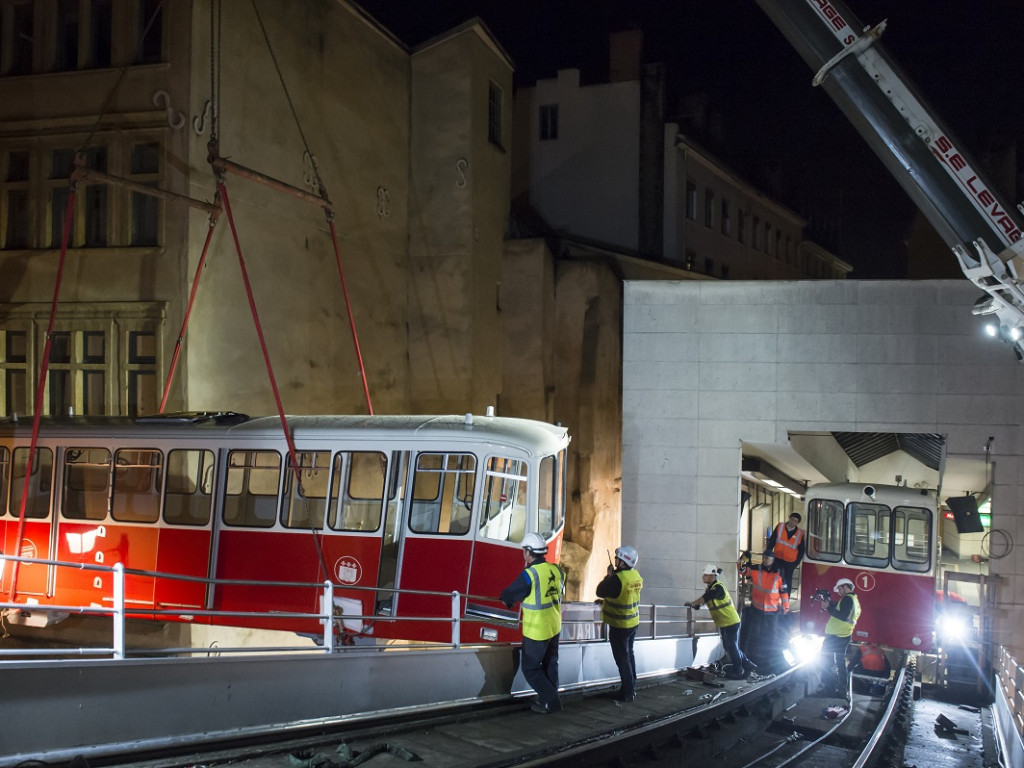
point(870, 534)
point(551, 512)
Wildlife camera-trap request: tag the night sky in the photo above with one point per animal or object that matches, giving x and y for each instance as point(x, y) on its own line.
point(966, 58)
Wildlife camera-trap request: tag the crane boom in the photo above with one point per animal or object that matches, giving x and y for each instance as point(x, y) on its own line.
point(934, 169)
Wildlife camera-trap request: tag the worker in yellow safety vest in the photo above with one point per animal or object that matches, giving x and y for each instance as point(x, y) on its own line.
point(726, 618)
point(843, 617)
point(620, 610)
point(539, 588)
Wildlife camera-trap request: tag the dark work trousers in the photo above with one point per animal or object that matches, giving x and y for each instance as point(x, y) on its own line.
point(786, 572)
point(833, 653)
point(763, 645)
point(730, 636)
point(540, 668)
point(621, 641)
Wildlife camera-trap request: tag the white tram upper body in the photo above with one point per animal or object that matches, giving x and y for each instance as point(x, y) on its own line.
point(382, 503)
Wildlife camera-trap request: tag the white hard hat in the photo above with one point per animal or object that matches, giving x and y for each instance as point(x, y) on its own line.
point(710, 570)
point(843, 583)
point(535, 543)
point(628, 555)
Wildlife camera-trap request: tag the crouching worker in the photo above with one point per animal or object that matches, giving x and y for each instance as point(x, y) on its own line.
point(726, 618)
point(620, 591)
point(539, 588)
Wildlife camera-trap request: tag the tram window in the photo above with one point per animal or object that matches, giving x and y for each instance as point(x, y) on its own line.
point(825, 530)
point(304, 505)
point(189, 487)
point(868, 535)
point(138, 480)
point(442, 493)
point(364, 495)
point(37, 506)
point(551, 510)
point(503, 511)
point(5, 477)
point(254, 478)
point(912, 546)
point(86, 483)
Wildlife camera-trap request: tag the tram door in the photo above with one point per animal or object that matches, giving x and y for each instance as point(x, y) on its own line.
point(185, 539)
point(391, 539)
point(36, 540)
point(437, 543)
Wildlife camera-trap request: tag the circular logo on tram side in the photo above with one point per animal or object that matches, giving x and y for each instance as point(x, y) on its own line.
point(28, 549)
point(865, 581)
point(348, 570)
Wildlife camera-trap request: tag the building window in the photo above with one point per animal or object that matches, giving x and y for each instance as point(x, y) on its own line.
point(14, 359)
point(84, 375)
point(142, 373)
point(35, 194)
point(691, 201)
point(151, 31)
point(741, 226)
point(494, 108)
point(66, 54)
point(100, 33)
point(145, 168)
point(726, 218)
point(725, 272)
point(691, 259)
point(767, 238)
point(709, 266)
point(709, 207)
point(17, 35)
point(755, 232)
point(548, 122)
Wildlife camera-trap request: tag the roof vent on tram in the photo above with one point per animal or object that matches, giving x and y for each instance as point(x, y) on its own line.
point(869, 491)
point(490, 411)
point(469, 420)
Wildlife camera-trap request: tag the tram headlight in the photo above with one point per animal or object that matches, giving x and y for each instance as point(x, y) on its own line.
point(803, 647)
point(952, 628)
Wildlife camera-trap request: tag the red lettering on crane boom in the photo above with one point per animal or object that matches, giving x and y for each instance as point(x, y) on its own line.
point(984, 200)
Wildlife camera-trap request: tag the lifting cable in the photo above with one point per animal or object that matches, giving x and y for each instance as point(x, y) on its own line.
point(328, 210)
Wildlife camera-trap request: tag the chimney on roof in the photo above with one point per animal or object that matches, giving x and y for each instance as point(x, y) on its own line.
point(625, 55)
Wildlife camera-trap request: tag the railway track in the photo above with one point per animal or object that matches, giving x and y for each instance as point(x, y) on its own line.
point(675, 720)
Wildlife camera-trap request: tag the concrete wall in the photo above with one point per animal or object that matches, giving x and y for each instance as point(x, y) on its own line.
point(707, 365)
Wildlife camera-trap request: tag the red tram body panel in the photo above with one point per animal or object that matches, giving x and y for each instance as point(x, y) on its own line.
point(882, 538)
point(385, 508)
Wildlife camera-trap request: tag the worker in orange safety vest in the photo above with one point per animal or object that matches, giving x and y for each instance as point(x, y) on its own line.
point(769, 600)
point(786, 545)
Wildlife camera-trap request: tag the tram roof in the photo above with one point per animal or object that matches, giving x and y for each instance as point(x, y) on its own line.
point(891, 494)
point(540, 436)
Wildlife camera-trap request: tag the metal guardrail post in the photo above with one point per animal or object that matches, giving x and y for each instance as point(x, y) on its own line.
point(456, 629)
point(119, 617)
point(328, 613)
point(654, 622)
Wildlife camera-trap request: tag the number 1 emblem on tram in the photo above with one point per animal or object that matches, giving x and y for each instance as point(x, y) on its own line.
point(213, 511)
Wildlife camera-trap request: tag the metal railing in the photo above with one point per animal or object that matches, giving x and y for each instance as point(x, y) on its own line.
point(1011, 681)
point(581, 621)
